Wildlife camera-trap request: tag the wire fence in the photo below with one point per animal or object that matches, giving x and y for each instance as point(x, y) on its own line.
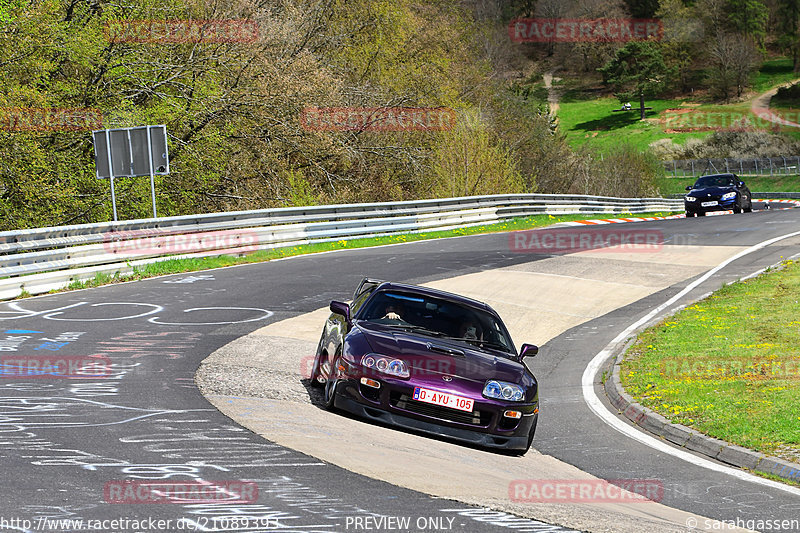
point(764, 166)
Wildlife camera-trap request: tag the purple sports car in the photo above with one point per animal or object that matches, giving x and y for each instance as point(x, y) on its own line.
point(428, 360)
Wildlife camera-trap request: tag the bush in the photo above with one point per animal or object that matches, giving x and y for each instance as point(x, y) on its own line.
point(728, 144)
point(788, 94)
point(626, 172)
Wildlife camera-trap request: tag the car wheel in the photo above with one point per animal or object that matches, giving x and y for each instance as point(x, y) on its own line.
point(749, 208)
point(316, 376)
point(330, 386)
point(737, 207)
point(701, 213)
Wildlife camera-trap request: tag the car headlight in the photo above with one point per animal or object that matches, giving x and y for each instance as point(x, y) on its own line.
point(728, 195)
point(502, 390)
point(690, 199)
point(385, 365)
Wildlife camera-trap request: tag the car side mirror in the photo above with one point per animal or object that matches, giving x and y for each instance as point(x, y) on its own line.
point(341, 308)
point(741, 184)
point(688, 187)
point(528, 350)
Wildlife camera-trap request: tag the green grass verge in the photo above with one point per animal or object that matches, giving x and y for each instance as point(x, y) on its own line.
point(773, 72)
point(177, 266)
point(588, 119)
point(728, 366)
point(669, 185)
point(594, 123)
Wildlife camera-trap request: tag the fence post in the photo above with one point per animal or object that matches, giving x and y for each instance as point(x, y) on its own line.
point(726, 165)
point(741, 168)
point(692, 167)
point(756, 163)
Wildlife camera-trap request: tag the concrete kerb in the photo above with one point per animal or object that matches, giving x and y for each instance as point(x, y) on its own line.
point(688, 438)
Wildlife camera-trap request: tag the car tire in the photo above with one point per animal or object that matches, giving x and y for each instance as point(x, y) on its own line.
point(701, 213)
point(330, 387)
point(749, 208)
point(737, 207)
point(315, 373)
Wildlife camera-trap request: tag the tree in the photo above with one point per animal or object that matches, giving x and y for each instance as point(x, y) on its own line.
point(471, 161)
point(637, 70)
point(642, 9)
point(681, 40)
point(749, 17)
point(788, 12)
point(733, 60)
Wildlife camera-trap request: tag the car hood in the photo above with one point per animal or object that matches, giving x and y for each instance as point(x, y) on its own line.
point(428, 355)
point(713, 191)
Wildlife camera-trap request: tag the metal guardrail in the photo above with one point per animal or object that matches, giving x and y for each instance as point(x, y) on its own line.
point(759, 195)
point(39, 260)
point(764, 166)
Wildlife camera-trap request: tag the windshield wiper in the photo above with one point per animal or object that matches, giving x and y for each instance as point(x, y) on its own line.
point(482, 343)
point(416, 329)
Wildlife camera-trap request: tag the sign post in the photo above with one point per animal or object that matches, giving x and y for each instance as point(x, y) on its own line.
point(111, 175)
point(131, 152)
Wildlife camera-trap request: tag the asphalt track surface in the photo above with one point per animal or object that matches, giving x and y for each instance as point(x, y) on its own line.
point(67, 443)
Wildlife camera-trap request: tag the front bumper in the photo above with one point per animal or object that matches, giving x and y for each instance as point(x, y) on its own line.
point(722, 205)
point(381, 409)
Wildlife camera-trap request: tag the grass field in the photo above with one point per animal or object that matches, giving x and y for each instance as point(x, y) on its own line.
point(728, 366)
point(774, 72)
point(588, 119)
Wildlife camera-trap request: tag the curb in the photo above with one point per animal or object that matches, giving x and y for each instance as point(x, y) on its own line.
point(688, 438)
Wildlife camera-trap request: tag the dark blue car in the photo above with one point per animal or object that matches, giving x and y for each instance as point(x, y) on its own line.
point(717, 192)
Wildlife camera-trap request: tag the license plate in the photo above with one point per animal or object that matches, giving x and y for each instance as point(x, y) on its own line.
point(708, 204)
point(442, 398)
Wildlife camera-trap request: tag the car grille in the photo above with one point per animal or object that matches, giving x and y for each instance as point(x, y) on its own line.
point(404, 402)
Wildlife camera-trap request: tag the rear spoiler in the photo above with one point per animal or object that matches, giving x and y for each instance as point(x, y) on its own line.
point(367, 284)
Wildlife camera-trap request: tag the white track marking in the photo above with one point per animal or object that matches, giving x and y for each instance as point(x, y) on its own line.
point(596, 405)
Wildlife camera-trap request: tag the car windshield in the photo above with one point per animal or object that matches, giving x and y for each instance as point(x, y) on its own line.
point(713, 181)
point(438, 318)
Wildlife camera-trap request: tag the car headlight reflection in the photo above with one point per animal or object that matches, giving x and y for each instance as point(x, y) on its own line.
point(728, 195)
point(386, 365)
point(502, 390)
point(691, 199)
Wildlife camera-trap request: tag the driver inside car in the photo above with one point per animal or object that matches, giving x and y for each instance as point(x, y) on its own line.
point(469, 330)
point(393, 312)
